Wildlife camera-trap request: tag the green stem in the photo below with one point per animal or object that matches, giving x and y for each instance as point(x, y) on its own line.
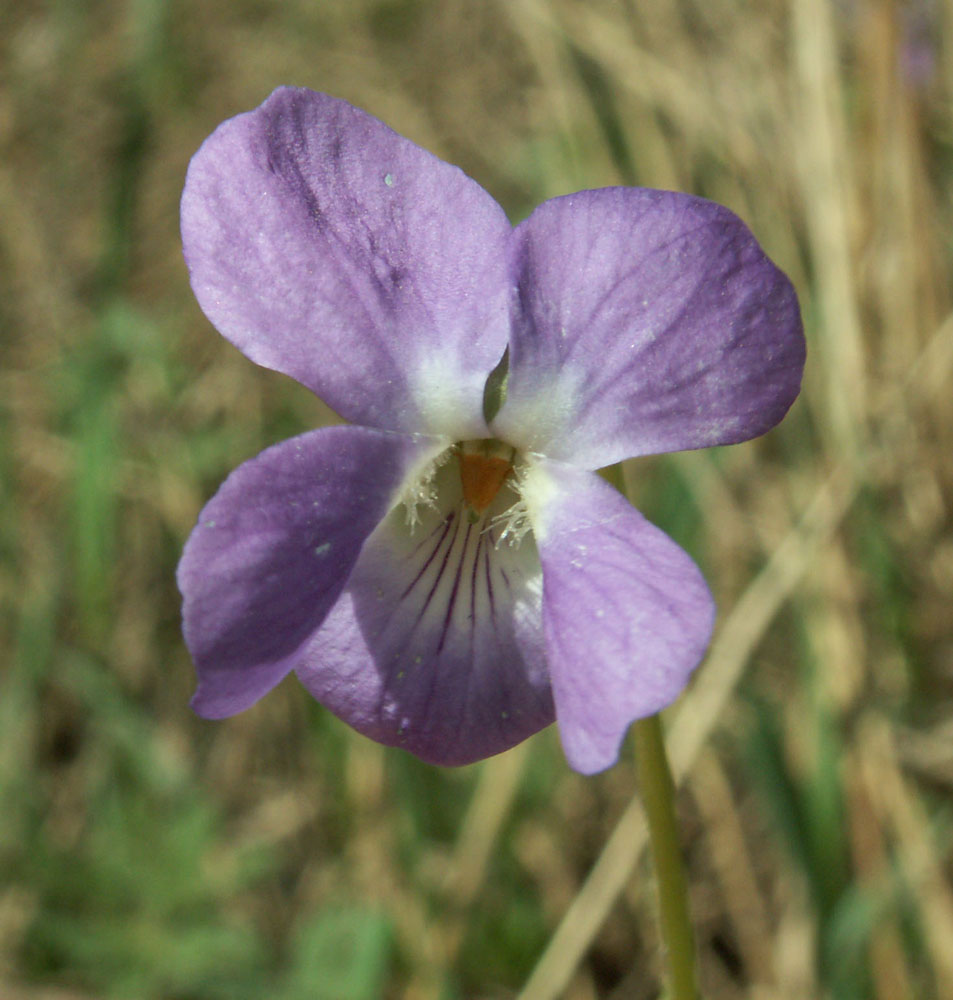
point(658, 796)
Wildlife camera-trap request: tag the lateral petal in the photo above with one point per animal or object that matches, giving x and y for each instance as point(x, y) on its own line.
point(627, 614)
point(646, 322)
point(273, 549)
point(326, 246)
point(436, 644)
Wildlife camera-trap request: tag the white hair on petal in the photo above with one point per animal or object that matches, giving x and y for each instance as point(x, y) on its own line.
point(422, 492)
point(514, 521)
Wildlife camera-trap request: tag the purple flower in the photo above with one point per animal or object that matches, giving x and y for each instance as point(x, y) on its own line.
point(448, 574)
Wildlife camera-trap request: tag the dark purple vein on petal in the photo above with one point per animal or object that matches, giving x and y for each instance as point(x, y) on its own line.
point(440, 571)
point(456, 588)
point(447, 524)
point(473, 583)
point(489, 580)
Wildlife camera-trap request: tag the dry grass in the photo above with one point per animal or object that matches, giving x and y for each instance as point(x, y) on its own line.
point(146, 854)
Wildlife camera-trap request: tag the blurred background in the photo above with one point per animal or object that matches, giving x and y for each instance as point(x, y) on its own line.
point(150, 855)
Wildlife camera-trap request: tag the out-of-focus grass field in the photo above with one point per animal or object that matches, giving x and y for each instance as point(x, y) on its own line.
point(149, 855)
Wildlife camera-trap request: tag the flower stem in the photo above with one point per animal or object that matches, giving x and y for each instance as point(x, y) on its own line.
point(658, 796)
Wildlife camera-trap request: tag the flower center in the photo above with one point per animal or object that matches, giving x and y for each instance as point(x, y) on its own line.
point(480, 480)
point(484, 467)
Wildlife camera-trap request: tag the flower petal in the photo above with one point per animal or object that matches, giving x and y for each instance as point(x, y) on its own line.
point(436, 644)
point(647, 322)
point(273, 549)
point(627, 614)
point(327, 247)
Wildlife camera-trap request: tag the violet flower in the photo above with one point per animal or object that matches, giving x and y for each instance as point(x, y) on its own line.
point(448, 574)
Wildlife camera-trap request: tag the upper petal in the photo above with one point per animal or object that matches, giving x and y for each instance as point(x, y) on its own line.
point(273, 549)
point(626, 613)
point(328, 247)
point(436, 644)
point(646, 321)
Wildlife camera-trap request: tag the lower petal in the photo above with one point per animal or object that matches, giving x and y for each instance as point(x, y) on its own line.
point(436, 643)
point(273, 549)
point(627, 614)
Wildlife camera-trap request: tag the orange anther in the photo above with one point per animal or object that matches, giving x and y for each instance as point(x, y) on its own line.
point(481, 477)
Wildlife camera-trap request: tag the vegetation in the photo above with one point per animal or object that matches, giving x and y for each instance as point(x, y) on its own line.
point(146, 854)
